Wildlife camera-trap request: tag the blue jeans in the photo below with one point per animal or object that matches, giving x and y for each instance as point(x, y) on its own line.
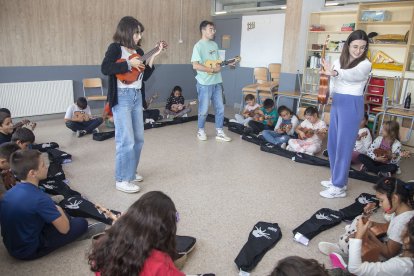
point(89, 126)
point(205, 93)
point(51, 239)
point(129, 133)
point(273, 137)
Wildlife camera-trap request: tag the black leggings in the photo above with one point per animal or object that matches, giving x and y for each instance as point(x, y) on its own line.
point(375, 166)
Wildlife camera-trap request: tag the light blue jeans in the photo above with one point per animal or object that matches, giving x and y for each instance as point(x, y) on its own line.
point(205, 93)
point(129, 133)
point(273, 137)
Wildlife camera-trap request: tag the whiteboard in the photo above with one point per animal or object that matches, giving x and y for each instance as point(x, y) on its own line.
point(262, 39)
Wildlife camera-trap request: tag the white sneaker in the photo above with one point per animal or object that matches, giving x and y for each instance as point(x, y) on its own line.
point(221, 136)
point(138, 178)
point(328, 248)
point(399, 171)
point(333, 192)
point(126, 187)
point(283, 146)
point(328, 184)
point(201, 135)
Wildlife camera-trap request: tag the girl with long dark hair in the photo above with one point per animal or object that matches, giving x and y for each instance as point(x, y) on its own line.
point(141, 241)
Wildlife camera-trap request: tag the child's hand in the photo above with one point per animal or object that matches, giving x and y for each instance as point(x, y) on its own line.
point(382, 159)
point(136, 63)
point(302, 135)
point(288, 128)
point(362, 228)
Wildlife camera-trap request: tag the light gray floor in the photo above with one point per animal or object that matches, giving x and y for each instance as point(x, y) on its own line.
point(220, 189)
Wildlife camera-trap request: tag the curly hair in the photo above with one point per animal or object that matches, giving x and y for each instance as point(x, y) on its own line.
point(298, 266)
point(150, 223)
point(392, 185)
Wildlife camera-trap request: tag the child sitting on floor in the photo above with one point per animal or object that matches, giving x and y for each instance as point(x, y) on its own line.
point(284, 129)
point(79, 118)
point(150, 225)
point(31, 224)
point(6, 127)
point(7, 179)
point(384, 154)
point(363, 141)
point(311, 132)
point(266, 119)
point(175, 106)
point(248, 112)
point(24, 122)
point(395, 198)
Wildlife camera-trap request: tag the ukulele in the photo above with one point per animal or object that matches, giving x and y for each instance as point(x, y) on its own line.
point(323, 93)
point(214, 63)
point(25, 122)
point(131, 76)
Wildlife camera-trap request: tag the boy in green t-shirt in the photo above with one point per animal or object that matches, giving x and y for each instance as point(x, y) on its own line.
point(267, 120)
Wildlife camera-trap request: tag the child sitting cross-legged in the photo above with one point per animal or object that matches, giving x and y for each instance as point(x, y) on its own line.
point(284, 129)
point(248, 111)
point(384, 154)
point(264, 119)
point(311, 132)
point(79, 118)
point(175, 106)
point(31, 224)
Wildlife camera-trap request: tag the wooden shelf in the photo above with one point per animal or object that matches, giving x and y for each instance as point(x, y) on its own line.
point(384, 22)
point(336, 52)
point(387, 45)
point(330, 32)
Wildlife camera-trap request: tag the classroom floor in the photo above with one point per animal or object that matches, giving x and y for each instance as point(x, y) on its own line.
point(220, 189)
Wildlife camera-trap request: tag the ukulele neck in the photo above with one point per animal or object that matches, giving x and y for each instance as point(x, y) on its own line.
point(149, 54)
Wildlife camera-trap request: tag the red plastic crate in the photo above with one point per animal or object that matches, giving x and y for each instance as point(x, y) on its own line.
point(377, 81)
point(375, 99)
point(376, 90)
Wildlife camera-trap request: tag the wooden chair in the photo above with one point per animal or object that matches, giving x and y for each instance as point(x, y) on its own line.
point(269, 89)
point(93, 84)
point(259, 77)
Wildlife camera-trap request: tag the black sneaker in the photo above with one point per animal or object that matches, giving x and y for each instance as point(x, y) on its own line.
point(80, 133)
point(325, 153)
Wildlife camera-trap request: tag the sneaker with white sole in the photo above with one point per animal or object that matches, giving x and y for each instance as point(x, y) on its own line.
point(96, 130)
point(328, 184)
point(81, 133)
point(398, 171)
point(221, 136)
point(138, 178)
point(337, 261)
point(201, 135)
point(327, 248)
point(127, 187)
point(333, 192)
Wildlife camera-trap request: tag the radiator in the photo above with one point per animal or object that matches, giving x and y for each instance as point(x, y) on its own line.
point(36, 98)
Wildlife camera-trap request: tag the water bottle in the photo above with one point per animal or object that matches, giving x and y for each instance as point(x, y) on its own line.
point(407, 102)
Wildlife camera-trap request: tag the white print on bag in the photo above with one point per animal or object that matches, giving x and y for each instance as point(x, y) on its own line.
point(272, 229)
point(258, 233)
point(49, 187)
point(74, 205)
point(322, 216)
point(364, 200)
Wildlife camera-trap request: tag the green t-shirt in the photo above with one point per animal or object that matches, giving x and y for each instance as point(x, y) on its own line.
point(273, 116)
point(206, 50)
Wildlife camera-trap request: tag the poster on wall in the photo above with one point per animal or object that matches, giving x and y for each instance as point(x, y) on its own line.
point(262, 39)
